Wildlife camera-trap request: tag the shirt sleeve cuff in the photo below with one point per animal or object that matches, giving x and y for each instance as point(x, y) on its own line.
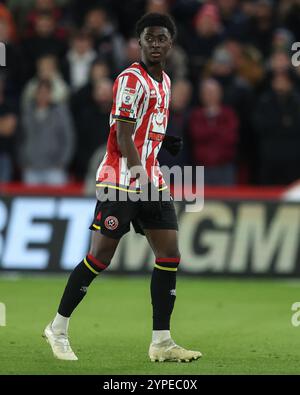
point(124, 119)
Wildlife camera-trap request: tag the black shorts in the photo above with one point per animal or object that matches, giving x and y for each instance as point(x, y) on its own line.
point(113, 218)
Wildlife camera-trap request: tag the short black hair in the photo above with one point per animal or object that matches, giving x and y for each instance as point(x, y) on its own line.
point(155, 19)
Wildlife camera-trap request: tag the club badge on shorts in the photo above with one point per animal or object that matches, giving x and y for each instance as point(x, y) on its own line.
point(111, 223)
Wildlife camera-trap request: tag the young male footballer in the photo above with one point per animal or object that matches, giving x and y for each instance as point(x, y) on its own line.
point(130, 179)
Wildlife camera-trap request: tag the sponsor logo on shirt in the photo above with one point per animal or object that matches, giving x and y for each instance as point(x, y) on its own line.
point(126, 110)
point(156, 136)
point(131, 91)
point(127, 98)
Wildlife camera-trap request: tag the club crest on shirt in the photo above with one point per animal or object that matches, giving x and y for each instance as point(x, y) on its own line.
point(111, 222)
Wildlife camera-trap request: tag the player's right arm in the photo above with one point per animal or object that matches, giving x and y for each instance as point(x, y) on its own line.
point(128, 149)
point(125, 131)
point(128, 95)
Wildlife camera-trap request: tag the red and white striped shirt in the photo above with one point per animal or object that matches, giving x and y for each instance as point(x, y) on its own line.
point(142, 100)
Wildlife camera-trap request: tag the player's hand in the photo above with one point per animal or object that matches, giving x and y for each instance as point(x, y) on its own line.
point(173, 144)
point(150, 200)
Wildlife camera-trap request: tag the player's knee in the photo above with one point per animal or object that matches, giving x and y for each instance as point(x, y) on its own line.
point(172, 253)
point(101, 258)
point(167, 261)
point(104, 255)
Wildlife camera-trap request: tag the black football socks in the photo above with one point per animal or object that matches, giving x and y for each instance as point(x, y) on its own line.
point(78, 283)
point(163, 291)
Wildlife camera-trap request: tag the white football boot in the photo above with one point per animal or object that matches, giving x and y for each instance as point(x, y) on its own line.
point(168, 351)
point(60, 344)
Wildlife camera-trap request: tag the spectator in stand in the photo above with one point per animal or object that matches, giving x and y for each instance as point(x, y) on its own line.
point(21, 9)
point(213, 133)
point(223, 69)
point(78, 61)
point(177, 64)
point(44, 41)
point(80, 8)
point(47, 70)
point(43, 6)
point(92, 125)
point(6, 16)
point(282, 40)
point(278, 63)
point(132, 51)
point(8, 127)
point(48, 139)
point(109, 44)
point(248, 8)
point(159, 6)
point(84, 96)
point(247, 60)
point(289, 16)
point(14, 73)
point(204, 38)
point(237, 93)
point(178, 119)
point(235, 22)
point(261, 26)
point(277, 125)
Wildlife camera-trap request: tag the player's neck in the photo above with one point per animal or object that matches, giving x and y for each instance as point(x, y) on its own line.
point(154, 70)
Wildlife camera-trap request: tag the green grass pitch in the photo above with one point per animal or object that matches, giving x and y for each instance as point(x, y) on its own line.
point(240, 326)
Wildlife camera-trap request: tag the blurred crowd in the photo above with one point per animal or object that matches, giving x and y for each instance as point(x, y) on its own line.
point(235, 93)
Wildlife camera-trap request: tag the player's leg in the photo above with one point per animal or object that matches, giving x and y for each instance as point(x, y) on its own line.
point(164, 243)
point(98, 259)
point(101, 252)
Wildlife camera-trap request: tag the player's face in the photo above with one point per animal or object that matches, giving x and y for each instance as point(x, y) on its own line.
point(155, 42)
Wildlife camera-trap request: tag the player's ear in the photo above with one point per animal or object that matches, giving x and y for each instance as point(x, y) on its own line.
point(140, 42)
